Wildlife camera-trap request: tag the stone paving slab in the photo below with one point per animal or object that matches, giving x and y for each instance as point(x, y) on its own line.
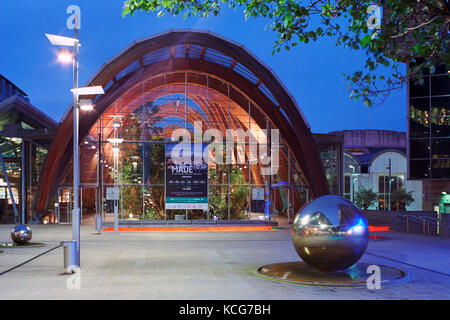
point(205, 265)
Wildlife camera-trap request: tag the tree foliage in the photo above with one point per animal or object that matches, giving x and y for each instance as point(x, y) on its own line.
point(364, 198)
point(412, 31)
point(402, 199)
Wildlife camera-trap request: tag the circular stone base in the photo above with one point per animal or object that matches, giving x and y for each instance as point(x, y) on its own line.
point(301, 273)
point(10, 245)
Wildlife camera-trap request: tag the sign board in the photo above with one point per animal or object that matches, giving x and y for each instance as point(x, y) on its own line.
point(258, 200)
point(258, 193)
point(112, 193)
point(187, 180)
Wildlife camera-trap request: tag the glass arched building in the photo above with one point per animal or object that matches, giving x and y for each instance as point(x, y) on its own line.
point(176, 80)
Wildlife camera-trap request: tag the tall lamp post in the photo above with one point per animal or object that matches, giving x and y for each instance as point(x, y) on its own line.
point(116, 141)
point(65, 55)
point(389, 167)
point(352, 184)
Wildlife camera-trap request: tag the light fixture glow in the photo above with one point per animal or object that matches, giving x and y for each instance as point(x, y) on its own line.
point(86, 105)
point(65, 55)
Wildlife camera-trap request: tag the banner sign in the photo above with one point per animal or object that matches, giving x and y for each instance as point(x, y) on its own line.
point(258, 200)
point(186, 180)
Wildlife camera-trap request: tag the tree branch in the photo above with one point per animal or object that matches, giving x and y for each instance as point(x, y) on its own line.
point(414, 28)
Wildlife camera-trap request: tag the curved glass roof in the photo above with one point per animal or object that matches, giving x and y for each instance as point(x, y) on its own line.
point(195, 52)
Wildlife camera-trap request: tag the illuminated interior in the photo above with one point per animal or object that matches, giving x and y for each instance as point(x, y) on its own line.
point(173, 81)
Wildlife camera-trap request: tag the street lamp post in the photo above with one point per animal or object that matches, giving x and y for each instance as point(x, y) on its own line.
point(76, 219)
point(67, 56)
point(352, 187)
point(116, 141)
point(390, 182)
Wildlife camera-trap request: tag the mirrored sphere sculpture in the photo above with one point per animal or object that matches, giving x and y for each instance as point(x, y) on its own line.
point(330, 233)
point(21, 234)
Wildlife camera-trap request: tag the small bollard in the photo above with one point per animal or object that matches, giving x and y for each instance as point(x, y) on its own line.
point(70, 256)
point(98, 223)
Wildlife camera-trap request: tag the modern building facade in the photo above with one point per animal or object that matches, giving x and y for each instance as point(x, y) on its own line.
point(429, 136)
point(25, 136)
point(180, 80)
point(376, 159)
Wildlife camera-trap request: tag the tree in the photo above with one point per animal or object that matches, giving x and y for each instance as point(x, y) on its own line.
point(364, 198)
point(412, 31)
point(402, 199)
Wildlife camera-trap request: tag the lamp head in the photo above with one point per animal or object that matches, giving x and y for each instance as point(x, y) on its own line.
point(65, 55)
point(86, 105)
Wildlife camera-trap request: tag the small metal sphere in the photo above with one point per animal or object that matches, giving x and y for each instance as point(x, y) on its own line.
point(21, 234)
point(330, 233)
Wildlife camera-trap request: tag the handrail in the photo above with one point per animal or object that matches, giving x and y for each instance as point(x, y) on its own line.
point(421, 219)
point(416, 217)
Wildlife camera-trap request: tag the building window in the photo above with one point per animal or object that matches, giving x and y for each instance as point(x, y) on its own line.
point(347, 187)
point(429, 125)
point(397, 184)
point(3, 89)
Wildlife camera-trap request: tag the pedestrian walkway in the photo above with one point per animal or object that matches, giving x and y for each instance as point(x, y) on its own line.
point(205, 265)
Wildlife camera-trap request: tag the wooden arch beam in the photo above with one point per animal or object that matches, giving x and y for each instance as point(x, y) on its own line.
point(293, 129)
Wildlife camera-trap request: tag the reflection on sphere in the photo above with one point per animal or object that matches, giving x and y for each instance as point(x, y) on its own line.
point(21, 234)
point(330, 233)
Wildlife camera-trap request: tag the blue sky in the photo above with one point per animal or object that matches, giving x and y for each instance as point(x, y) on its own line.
point(312, 72)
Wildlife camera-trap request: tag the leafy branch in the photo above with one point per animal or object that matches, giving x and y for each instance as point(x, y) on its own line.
point(415, 32)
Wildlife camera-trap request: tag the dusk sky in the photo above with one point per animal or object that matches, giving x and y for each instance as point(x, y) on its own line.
point(312, 72)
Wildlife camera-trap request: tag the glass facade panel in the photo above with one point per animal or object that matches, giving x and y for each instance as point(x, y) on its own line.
point(440, 85)
point(440, 148)
point(419, 148)
point(419, 118)
point(384, 193)
point(420, 169)
point(132, 205)
point(429, 126)
point(13, 150)
point(420, 88)
point(148, 115)
point(440, 169)
point(154, 203)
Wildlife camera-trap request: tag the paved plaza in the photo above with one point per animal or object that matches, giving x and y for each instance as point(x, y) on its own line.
point(206, 265)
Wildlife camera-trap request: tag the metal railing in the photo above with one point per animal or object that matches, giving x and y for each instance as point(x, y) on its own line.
point(426, 222)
